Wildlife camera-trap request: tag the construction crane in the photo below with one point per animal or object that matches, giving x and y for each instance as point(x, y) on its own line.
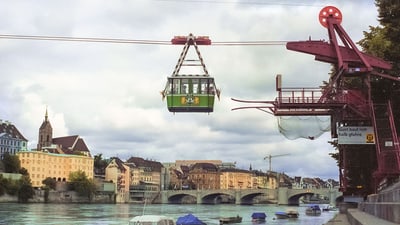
point(269, 157)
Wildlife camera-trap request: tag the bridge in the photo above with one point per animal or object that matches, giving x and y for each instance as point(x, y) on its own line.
point(282, 195)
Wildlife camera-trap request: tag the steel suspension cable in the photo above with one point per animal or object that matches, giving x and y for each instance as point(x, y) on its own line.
point(129, 41)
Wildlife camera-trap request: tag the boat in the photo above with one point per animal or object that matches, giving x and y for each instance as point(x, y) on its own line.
point(288, 214)
point(292, 213)
point(281, 215)
point(315, 200)
point(232, 219)
point(329, 208)
point(151, 220)
point(189, 219)
point(313, 210)
point(258, 217)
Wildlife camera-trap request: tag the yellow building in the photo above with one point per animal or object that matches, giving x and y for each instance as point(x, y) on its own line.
point(145, 172)
point(119, 174)
point(41, 165)
point(236, 179)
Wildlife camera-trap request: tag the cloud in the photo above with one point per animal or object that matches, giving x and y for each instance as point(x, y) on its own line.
point(109, 93)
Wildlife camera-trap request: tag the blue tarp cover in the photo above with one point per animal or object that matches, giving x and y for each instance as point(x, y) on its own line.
point(189, 219)
point(258, 215)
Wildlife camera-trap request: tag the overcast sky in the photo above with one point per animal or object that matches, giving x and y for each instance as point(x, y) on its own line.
point(109, 94)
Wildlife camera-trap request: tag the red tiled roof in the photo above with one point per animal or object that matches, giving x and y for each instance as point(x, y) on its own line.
point(119, 163)
point(205, 166)
point(69, 144)
point(140, 162)
point(10, 129)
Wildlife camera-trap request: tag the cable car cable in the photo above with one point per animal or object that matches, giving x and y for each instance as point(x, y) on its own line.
point(128, 41)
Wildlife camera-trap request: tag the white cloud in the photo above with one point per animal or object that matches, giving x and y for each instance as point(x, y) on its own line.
point(109, 93)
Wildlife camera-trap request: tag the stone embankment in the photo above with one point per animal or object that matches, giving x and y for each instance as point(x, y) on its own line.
point(378, 209)
point(61, 197)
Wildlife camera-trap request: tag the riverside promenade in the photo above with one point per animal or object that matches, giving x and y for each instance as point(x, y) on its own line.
point(357, 217)
point(382, 208)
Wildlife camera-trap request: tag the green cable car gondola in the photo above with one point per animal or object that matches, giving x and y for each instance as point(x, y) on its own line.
point(190, 92)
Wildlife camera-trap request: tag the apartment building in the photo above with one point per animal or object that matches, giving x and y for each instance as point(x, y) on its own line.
point(11, 140)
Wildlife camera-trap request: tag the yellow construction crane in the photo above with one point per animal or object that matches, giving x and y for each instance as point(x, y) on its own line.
point(269, 157)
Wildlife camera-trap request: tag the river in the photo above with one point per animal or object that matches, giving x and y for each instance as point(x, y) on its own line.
point(36, 213)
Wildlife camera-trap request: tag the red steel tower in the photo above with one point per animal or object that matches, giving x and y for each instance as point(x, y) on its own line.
point(362, 123)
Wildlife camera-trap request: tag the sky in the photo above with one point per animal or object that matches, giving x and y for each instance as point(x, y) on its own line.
point(109, 94)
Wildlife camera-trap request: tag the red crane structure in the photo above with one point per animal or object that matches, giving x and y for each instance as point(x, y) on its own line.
point(354, 104)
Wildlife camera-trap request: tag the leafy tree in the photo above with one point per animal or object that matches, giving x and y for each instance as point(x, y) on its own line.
point(11, 187)
point(384, 41)
point(2, 185)
point(11, 163)
point(25, 191)
point(100, 164)
point(81, 184)
point(50, 183)
point(389, 18)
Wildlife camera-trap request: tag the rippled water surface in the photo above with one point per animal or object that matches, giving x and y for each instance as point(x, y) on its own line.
point(11, 213)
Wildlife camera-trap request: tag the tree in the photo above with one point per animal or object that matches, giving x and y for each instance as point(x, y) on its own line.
point(11, 163)
point(50, 183)
point(389, 18)
point(81, 184)
point(100, 164)
point(384, 41)
point(25, 191)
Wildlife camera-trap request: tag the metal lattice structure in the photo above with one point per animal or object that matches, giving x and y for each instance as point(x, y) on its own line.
point(349, 99)
point(190, 92)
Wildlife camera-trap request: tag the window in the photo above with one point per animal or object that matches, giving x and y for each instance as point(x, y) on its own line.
point(175, 86)
point(196, 86)
point(185, 86)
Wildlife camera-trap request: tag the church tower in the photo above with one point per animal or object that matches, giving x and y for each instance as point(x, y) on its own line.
point(45, 133)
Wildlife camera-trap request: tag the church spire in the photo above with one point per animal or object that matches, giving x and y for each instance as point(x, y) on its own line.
point(46, 116)
point(45, 133)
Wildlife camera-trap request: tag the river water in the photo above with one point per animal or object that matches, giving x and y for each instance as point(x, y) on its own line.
point(13, 213)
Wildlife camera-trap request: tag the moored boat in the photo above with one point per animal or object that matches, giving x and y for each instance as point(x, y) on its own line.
point(233, 219)
point(329, 208)
point(313, 210)
point(189, 219)
point(292, 213)
point(281, 215)
point(258, 217)
point(151, 220)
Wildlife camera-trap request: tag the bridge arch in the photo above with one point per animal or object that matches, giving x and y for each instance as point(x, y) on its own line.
point(182, 198)
point(294, 195)
point(283, 196)
point(218, 198)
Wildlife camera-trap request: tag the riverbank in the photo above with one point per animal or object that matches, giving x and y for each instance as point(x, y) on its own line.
point(357, 217)
point(339, 219)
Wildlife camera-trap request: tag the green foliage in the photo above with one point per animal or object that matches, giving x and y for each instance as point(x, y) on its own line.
point(49, 183)
point(25, 190)
point(2, 185)
point(22, 187)
point(81, 184)
point(100, 164)
point(374, 42)
point(11, 163)
point(24, 172)
point(389, 18)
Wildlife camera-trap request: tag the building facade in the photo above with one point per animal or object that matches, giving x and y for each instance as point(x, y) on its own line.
point(11, 140)
point(205, 176)
point(237, 179)
point(137, 179)
point(41, 165)
point(56, 157)
point(119, 173)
